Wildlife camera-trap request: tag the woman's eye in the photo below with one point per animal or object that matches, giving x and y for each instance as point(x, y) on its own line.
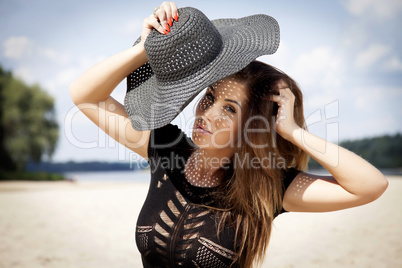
point(209, 96)
point(230, 109)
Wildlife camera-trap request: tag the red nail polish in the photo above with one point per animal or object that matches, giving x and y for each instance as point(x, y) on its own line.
point(170, 22)
point(176, 18)
point(167, 28)
point(165, 32)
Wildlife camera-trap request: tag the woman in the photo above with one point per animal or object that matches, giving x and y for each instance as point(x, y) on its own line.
point(212, 198)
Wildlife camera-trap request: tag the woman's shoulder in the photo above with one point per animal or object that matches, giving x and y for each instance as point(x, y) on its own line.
point(288, 176)
point(168, 137)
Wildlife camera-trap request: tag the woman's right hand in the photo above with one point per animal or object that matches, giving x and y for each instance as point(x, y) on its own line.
point(161, 20)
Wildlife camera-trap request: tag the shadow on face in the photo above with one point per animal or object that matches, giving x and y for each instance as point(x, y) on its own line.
point(219, 114)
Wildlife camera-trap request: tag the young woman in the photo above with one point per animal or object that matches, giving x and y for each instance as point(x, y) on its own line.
point(212, 198)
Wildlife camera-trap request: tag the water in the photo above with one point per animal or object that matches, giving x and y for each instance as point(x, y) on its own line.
point(129, 175)
point(111, 176)
point(143, 175)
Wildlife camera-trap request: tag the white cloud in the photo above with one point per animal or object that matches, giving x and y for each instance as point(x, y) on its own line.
point(65, 76)
point(319, 67)
point(370, 111)
point(375, 126)
point(53, 55)
point(280, 58)
point(25, 74)
point(131, 27)
point(86, 62)
point(22, 48)
point(394, 64)
point(384, 9)
point(18, 47)
point(383, 98)
point(319, 100)
point(62, 80)
point(371, 55)
point(366, 98)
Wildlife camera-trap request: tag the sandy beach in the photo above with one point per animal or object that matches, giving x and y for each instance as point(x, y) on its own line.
point(92, 224)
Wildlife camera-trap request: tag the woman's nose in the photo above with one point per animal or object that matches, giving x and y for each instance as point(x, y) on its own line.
point(212, 112)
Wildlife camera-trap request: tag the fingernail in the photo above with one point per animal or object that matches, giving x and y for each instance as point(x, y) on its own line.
point(176, 17)
point(170, 22)
point(167, 27)
point(165, 32)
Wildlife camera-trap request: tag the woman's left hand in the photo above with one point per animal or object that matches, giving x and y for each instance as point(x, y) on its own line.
point(285, 123)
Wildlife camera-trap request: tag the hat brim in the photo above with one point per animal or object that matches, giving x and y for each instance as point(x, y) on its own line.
point(151, 105)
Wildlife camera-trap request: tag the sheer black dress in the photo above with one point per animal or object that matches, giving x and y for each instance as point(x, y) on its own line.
point(173, 230)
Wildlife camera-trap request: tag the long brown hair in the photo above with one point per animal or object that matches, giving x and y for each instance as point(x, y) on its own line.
point(254, 193)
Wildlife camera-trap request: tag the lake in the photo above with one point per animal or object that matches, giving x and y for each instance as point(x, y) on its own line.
point(127, 175)
point(118, 176)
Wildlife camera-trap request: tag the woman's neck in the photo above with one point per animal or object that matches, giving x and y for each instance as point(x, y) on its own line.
point(204, 168)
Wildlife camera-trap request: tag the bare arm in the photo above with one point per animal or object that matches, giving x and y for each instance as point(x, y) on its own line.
point(98, 82)
point(354, 181)
point(91, 91)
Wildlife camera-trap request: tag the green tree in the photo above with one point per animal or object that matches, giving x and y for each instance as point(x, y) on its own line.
point(382, 151)
point(28, 127)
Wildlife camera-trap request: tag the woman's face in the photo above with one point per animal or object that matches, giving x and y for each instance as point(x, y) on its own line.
point(219, 115)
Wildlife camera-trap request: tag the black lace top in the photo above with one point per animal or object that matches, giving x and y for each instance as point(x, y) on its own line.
point(173, 230)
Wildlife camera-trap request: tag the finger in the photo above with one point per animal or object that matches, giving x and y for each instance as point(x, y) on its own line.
point(153, 22)
point(275, 98)
point(175, 12)
point(162, 15)
point(278, 99)
point(281, 84)
point(280, 120)
point(286, 93)
point(168, 13)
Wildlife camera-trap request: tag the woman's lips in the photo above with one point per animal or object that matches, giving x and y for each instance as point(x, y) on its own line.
point(201, 130)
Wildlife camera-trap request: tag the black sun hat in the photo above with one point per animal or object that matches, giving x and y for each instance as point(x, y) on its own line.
point(196, 53)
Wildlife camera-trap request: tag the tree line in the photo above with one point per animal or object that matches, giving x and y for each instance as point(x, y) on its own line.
point(28, 126)
point(72, 166)
point(383, 152)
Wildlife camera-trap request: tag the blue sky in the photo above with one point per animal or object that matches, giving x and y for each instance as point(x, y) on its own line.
point(346, 55)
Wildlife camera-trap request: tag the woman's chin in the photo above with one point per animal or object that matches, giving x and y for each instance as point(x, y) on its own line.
point(199, 142)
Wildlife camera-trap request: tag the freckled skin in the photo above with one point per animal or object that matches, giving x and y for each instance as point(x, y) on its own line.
point(214, 112)
point(217, 112)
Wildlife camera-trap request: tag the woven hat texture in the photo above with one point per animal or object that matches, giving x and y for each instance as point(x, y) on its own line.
point(196, 53)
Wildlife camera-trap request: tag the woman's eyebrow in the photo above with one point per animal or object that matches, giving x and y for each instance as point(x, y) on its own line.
point(213, 91)
point(233, 102)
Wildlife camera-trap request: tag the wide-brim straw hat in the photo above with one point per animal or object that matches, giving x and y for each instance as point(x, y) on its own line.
point(196, 53)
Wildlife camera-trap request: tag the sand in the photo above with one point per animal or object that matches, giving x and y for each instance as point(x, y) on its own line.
point(64, 224)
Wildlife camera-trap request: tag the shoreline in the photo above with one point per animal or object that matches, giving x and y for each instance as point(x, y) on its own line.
point(17, 185)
